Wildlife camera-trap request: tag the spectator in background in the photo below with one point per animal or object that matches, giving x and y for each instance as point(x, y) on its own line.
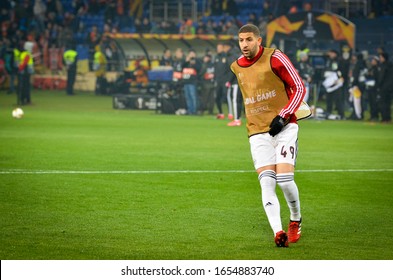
point(385, 87)
point(357, 85)
point(51, 35)
point(138, 25)
point(114, 53)
point(94, 37)
point(177, 86)
point(109, 51)
point(266, 9)
point(10, 64)
point(200, 30)
point(252, 18)
point(99, 66)
point(64, 37)
point(3, 47)
point(191, 69)
point(166, 59)
point(187, 27)
point(230, 28)
point(234, 99)
point(307, 6)
point(93, 40)
point(25, 70)
point(345, 63)
point(333, 86)
point(70, 58)
point(51, 19)
point(302, 49)
point(306, 72)
point(107, 27)
point(114, 30)
point(221, 65)
point(209, 27)
point(380, 50)
point(200, 27)
point(169, 27)
point(145, 26)
point(207, 85)
point(218, 27)
point(157, 28)
point(371, 92)
point(5, 23)
point(3, 70)
point(140, 74)
point(177, 65)
point(224, 78)
point(293, 9)
point(70, 23)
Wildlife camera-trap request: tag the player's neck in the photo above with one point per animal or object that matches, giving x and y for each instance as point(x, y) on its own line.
point(249, 61)
point(258, 55)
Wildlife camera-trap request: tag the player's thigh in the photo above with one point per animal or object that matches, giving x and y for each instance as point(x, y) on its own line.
point(263, 152)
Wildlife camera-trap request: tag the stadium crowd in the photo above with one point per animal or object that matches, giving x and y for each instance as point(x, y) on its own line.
point(362, 78)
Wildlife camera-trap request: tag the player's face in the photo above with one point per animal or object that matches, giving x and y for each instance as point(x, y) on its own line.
point(249, 44)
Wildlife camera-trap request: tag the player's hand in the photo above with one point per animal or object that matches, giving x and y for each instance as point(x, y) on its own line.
point(228, 84)
point(276, 125)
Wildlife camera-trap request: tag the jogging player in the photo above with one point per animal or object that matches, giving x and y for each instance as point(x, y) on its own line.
point(272, 92)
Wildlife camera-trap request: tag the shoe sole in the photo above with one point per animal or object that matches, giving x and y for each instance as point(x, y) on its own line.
point(282, 241)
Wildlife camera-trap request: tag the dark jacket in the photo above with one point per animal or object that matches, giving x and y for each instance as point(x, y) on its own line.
point(222, 68)
point(385, 77)
point(191, 71)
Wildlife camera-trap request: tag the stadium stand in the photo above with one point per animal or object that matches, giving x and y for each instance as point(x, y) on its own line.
point(76, 19)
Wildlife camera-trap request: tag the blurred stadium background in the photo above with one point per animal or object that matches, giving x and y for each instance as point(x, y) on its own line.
point(137, 32)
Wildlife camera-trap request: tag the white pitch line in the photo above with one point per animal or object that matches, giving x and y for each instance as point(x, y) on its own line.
point(345, 170)
point(23, 171)
point(118, 171)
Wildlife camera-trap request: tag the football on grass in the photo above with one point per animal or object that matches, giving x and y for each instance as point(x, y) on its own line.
point(17, 113)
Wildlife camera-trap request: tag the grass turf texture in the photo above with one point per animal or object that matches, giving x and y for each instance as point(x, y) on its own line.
point(180, 215)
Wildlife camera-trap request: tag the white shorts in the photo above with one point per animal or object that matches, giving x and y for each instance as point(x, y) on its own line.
point(268, 150)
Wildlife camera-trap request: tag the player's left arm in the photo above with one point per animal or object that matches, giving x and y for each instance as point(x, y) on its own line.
point(283, 68)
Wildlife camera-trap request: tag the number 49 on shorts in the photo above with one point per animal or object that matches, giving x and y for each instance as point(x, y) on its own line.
point(290, 151)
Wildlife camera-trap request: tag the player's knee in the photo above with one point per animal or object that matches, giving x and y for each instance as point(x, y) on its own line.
point(267, 174)
point(285, 180)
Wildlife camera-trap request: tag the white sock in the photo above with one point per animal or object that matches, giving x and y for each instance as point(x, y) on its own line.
point(270, 202)
point(291, 194)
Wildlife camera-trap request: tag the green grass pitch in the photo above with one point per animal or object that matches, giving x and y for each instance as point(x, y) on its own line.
point(80, 180)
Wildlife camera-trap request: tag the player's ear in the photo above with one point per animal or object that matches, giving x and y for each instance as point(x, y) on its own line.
point(259, 41)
